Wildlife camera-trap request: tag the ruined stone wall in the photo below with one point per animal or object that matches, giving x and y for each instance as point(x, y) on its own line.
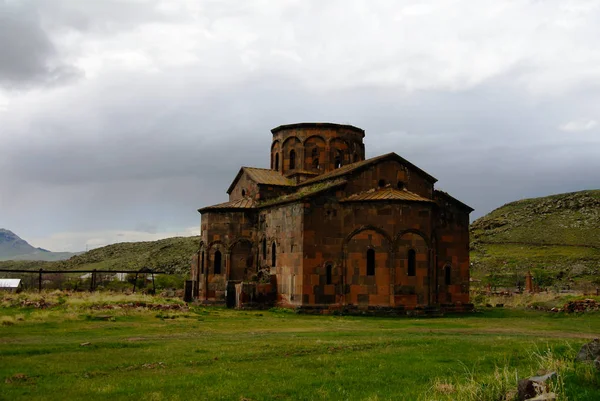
point(452, 237)
point(283, 226)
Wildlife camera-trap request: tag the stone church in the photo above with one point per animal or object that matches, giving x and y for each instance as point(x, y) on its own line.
point(332, 230)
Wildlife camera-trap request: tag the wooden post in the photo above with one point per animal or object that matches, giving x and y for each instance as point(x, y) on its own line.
point(135, 281)
point(529, 283)
point(187, 293)
point(93, 281)
point(153, 286)
point(40, 281)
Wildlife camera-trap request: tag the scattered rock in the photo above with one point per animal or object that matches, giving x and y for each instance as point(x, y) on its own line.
point(535, 386)
point(84, 344)
point(597, 363)
point(17, 378)
point(584, 305)
point(153, 365)
point(136, 305)
point(589, 351)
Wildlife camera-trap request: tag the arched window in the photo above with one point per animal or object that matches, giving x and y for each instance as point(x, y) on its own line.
point(355, 158)
point(217, 267)
point(277, 161)
point(448, 275)
point(315, 158)
point(328, 271)
point(292, 159)
point(337, 163)
point(412, 262)
point(273, 255)
point(371, 262)
point(400, 185)
point(381, 183)
point(264, 248)
point(243, 192)
point(202, 263)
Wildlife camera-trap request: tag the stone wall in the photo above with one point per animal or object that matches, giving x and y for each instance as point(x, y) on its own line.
point(333, 143)
point(452, 237)
point(283, 226)
point(232, 235)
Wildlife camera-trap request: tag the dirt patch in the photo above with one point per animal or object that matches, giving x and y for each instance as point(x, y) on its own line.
point(18, 378)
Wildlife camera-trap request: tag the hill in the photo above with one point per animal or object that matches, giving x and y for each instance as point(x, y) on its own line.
point(172, 255)
point(556, 237)
point(12, 247)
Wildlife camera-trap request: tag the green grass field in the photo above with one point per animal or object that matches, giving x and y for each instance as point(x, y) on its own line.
point(215, 353)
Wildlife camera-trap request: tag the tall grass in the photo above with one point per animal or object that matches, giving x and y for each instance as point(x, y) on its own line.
point(503, 382)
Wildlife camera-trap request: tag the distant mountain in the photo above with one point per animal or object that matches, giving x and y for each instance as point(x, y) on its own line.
point(556, 237)
point(12, 247)
point(172, 255)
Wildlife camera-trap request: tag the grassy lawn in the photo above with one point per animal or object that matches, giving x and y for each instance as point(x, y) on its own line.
point(215, 353)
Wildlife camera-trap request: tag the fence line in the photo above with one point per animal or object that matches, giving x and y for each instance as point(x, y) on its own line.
point(93, 284)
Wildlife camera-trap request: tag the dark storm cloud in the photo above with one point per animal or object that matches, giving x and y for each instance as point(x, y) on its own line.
point(27, 55)
point(173, 102)
point(486, 145)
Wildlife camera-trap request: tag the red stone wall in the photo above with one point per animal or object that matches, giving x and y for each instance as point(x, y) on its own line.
point(232, 234)
point(391, 172)
point(244, 184)
point(329, 140)
point(283, 225)
point(341, 234)
point(452, 236)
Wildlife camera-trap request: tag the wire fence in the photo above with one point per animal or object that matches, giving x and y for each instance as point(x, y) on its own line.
point(144, 280)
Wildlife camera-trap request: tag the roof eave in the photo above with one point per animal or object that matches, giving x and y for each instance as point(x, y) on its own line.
point(453, 199)
point(235, 180)
point(429, 202)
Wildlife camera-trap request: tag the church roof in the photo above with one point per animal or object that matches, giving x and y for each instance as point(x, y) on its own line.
point(304, 192)
point(262, 176)
point(242, 203)
point(452, 199)
point(385, 194)
point(249, 203)
point(348, 168)
point(318, 125)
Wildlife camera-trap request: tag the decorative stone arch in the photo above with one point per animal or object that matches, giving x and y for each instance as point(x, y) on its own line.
point(213, 247)
point(276, 155)
point(338, 145)
point(201, 257)
point(241, 259)
point(309, 145)
point(359, 285)
point(292, 143)
point(412, 231)
point(364, 228)
point(331, 140)
point(291, 138)
point(315, 136)
point(419, 280)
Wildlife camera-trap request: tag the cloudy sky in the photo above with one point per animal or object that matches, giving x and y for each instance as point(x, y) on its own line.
point(120, 118)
